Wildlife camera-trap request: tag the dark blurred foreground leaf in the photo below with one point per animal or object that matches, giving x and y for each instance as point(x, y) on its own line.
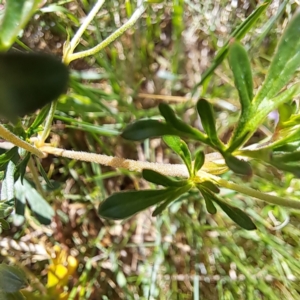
point(12, 279)
point(28, 82)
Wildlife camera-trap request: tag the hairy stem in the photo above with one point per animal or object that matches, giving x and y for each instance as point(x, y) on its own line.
point(251, 192)
point(136, 15)
point(9, 136)
point(177, 170)
point(89, 18)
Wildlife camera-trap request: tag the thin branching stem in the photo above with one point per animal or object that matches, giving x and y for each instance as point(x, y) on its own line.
point(9, 136)
point(135, 16)
point(177, 170)
point(89, 18)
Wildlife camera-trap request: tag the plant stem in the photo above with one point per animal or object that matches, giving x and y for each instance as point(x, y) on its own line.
point(48, 124)
point(9, 136)
point(251, 192)
point(176, 170)
point(118, 162)
point(35, 177)
point(75, 40)
point(136, 15)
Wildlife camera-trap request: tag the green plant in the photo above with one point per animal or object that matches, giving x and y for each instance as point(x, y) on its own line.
point(278, 150)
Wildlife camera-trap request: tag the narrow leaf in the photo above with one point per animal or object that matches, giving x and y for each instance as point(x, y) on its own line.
point(9, 155)
point(169, 115)
point(160, 179)
point(175, 194)
point(210, 186)
point(241, 69)
point(43, 173)
point(286, 157)
point(125, 204)
point(207, 116)
point(284, 63)
point(236, 215)
point(248, 125)
point(40, 118)
point(199, 161)
point(238, 166)
point(145, 129)
point(181, 148)
point(208, 198)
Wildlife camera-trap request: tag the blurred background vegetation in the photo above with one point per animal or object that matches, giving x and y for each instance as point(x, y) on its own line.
point(185, 253)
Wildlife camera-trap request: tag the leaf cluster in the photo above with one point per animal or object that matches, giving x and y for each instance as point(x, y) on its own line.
point(280, 150)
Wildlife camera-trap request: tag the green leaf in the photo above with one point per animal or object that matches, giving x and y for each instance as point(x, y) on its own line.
point(38, 205)
point(236, 214)
point(16, 15)
point(43, 173)
point(292, 167)
point(125, 204)
point(284, 63)
point(145, 129)
point(11, 154)
point(21, 167)
point(208, 198)
point(248, 125)
point(7, 191)
point(4, 224)
point(160, 179)
point(241, 69)
point(199, 161)
point(175, 194)
point(210, 186)
point(207, 116)
point(285, 111)
point(238, 166)
point(169, 115)
point(286, 157)
point(14, 296)
point(12, 279)
point(28, 82)
point(237, 34)
point(40, 118)
point(181, 148)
